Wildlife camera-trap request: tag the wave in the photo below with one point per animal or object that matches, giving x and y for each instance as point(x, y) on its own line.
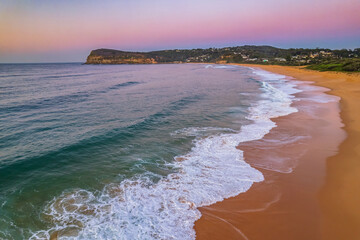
point(77, 97)
point(200, 131)
point(220, 66)
point(67, 76)
point(124, 134)
point(14, 75)
point(139, 208)
point(123, 85)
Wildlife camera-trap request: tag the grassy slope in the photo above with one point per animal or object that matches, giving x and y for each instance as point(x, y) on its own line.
point(346, 65)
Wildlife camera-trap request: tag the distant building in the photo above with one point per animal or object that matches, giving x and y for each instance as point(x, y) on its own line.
point(326, 53)
point(314, 55)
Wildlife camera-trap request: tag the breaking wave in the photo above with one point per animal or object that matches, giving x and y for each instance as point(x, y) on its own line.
point(212, 171)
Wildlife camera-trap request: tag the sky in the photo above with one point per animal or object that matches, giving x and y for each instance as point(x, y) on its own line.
point(67, 30)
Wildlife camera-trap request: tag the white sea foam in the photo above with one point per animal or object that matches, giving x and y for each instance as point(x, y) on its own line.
point(320, 97)
point(200, 131)
point(220, 66)
point(212, 171)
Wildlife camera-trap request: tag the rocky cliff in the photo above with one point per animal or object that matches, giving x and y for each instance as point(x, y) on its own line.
point(108, 56)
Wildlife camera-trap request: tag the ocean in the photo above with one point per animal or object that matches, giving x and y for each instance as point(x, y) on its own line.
point(127, 151)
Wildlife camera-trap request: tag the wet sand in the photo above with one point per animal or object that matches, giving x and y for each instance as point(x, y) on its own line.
point(320, 198)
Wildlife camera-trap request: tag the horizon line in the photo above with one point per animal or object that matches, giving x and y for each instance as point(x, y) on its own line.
point(162, 49)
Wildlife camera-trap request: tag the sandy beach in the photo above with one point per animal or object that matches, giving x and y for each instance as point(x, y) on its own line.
point(319, 198)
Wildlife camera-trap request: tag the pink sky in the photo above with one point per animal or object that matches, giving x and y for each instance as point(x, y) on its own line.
point(67, 30)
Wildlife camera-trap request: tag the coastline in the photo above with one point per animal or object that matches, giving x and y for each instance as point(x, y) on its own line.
point(318, 200)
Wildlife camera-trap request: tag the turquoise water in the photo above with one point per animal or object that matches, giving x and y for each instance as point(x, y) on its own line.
point(125, 151)
point(73, 126)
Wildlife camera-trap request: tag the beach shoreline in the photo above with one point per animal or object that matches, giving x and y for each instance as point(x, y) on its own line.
point(318, 199)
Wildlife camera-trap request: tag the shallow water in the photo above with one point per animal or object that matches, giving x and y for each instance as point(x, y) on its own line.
point(127, 151)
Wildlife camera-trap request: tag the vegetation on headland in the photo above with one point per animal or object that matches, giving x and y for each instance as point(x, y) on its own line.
point(318, 59)
point(343, 65)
